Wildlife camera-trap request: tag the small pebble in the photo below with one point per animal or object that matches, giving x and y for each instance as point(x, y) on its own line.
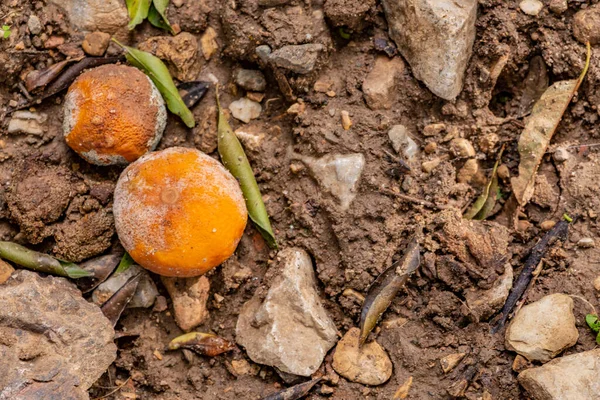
point(208, 43)
point(160, 304)
point(430, 147)
point(255, 96)
point(34, 25)
point(586, 243)
point(558, 6)
point(250, 79)
point(561, 154)
point(547, 225)
point(503, 172)
point(402, 142)
point(461, 147)
point(326, 390)
point(322, 86)
point(296, 108)
point(96, 43)
point(468, 171)
point(450, 361)
point(523, 226)
point(597, 283)
point(245, 109)
point(346, 121)
point(531, 7)
point(429, 166)
point(586, 25)
point(434, 129)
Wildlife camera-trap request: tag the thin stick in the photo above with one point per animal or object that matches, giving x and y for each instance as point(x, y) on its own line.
point(413, 199)
point(114, 391)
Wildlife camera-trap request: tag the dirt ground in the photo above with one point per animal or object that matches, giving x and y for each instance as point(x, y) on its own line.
point(71, 216)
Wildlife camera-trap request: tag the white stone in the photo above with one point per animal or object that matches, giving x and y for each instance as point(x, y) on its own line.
point(402, 142)
point(245, 109)
point(436, 38)
point(531, 7)
point(543, 329)
point(289, 328)
point(339, 174)
point(27, 122)
point(573, 377)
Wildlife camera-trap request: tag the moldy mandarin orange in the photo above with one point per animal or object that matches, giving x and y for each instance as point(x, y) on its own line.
point(179, 212)
point(113, 115)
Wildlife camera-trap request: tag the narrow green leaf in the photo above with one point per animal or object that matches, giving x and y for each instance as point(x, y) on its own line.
point(5, 31)
point(490, 202)
point(158, 15)
point(125, 263)
point(138, 11)
point(158, 72)
point(73, 270)
point(593, 322)
point(235, 160)
point(598, 338)
point(480, 204)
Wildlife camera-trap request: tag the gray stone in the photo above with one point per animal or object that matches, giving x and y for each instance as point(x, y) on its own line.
point(484, 303)
point(402, 142)
point(92, 15)
point(250, 79)
point(289, 328)
point(339, 174)
point(245, 109)
point(543, 329)
point(380, 84)
point(263, 52)
point(531, 7)
point(573, 377)
point(436, 38)
point(145, 293)
point(561, 154)
point(300, 59)
point(54, 343)
point(34, 25)
point(31, 123)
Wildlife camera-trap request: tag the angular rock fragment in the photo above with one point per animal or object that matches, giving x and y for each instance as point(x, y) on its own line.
point(573, 377)
point(92, 15)
point(379, 85)
point(300, 59)
point(541, 330)
point(54, 343)
point(250, 79)
point(338, 174)
point(289, 329)
point(484, 303)
point(436, 38)
point(180, 52)
point(189, 297)
point(245, 109)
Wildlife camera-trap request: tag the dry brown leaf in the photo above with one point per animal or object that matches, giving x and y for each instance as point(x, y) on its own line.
point(536, 136)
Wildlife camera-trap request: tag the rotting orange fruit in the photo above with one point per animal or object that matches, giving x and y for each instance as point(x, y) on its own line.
point(179, 212)
point(113, 115)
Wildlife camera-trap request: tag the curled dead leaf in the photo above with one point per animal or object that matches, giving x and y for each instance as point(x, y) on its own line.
point(205, 344)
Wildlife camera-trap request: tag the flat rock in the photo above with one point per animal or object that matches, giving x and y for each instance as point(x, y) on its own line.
point(339, 174)
point(543, 329)
point(379, 85)
point(145, 293)
point(189, 296)
point(368, 364)
point(54, 343)
point(250, 79)
point(289, 328)
point(300, 59)
point(436, 38)
point(93, 15)
point(573, 377)
point(245, 109)
point(484, 303)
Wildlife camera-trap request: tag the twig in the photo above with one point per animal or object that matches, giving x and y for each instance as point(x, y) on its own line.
point(413, 199)
point(559, 231)
point(114, 391)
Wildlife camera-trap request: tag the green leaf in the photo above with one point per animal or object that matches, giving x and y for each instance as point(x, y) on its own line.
point(485, 203)
point(125, 263)
point(73, 270)
point(235, 160)
point(158, 15)
point(593, 322)
point(5, 31)
point(598, 338)
point(138, 11)
point(158, 72)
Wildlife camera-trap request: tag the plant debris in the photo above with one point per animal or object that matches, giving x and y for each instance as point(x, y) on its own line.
point(535, 138)
point(157, 15)
point(558, 232)
point(138, 12)
point(193, 92)
point(235, 160)
point(101, 268)
point(40, 78)
point(205, 344)
point(125, 263)
point(295, 392)
point(483, 206)
point(594, 324)
point(386, 286)
point(536, 84)
point(40, 262)
point(158, 72)
point(113, 308)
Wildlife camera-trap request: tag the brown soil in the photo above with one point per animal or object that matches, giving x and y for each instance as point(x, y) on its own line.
point(54, 200)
